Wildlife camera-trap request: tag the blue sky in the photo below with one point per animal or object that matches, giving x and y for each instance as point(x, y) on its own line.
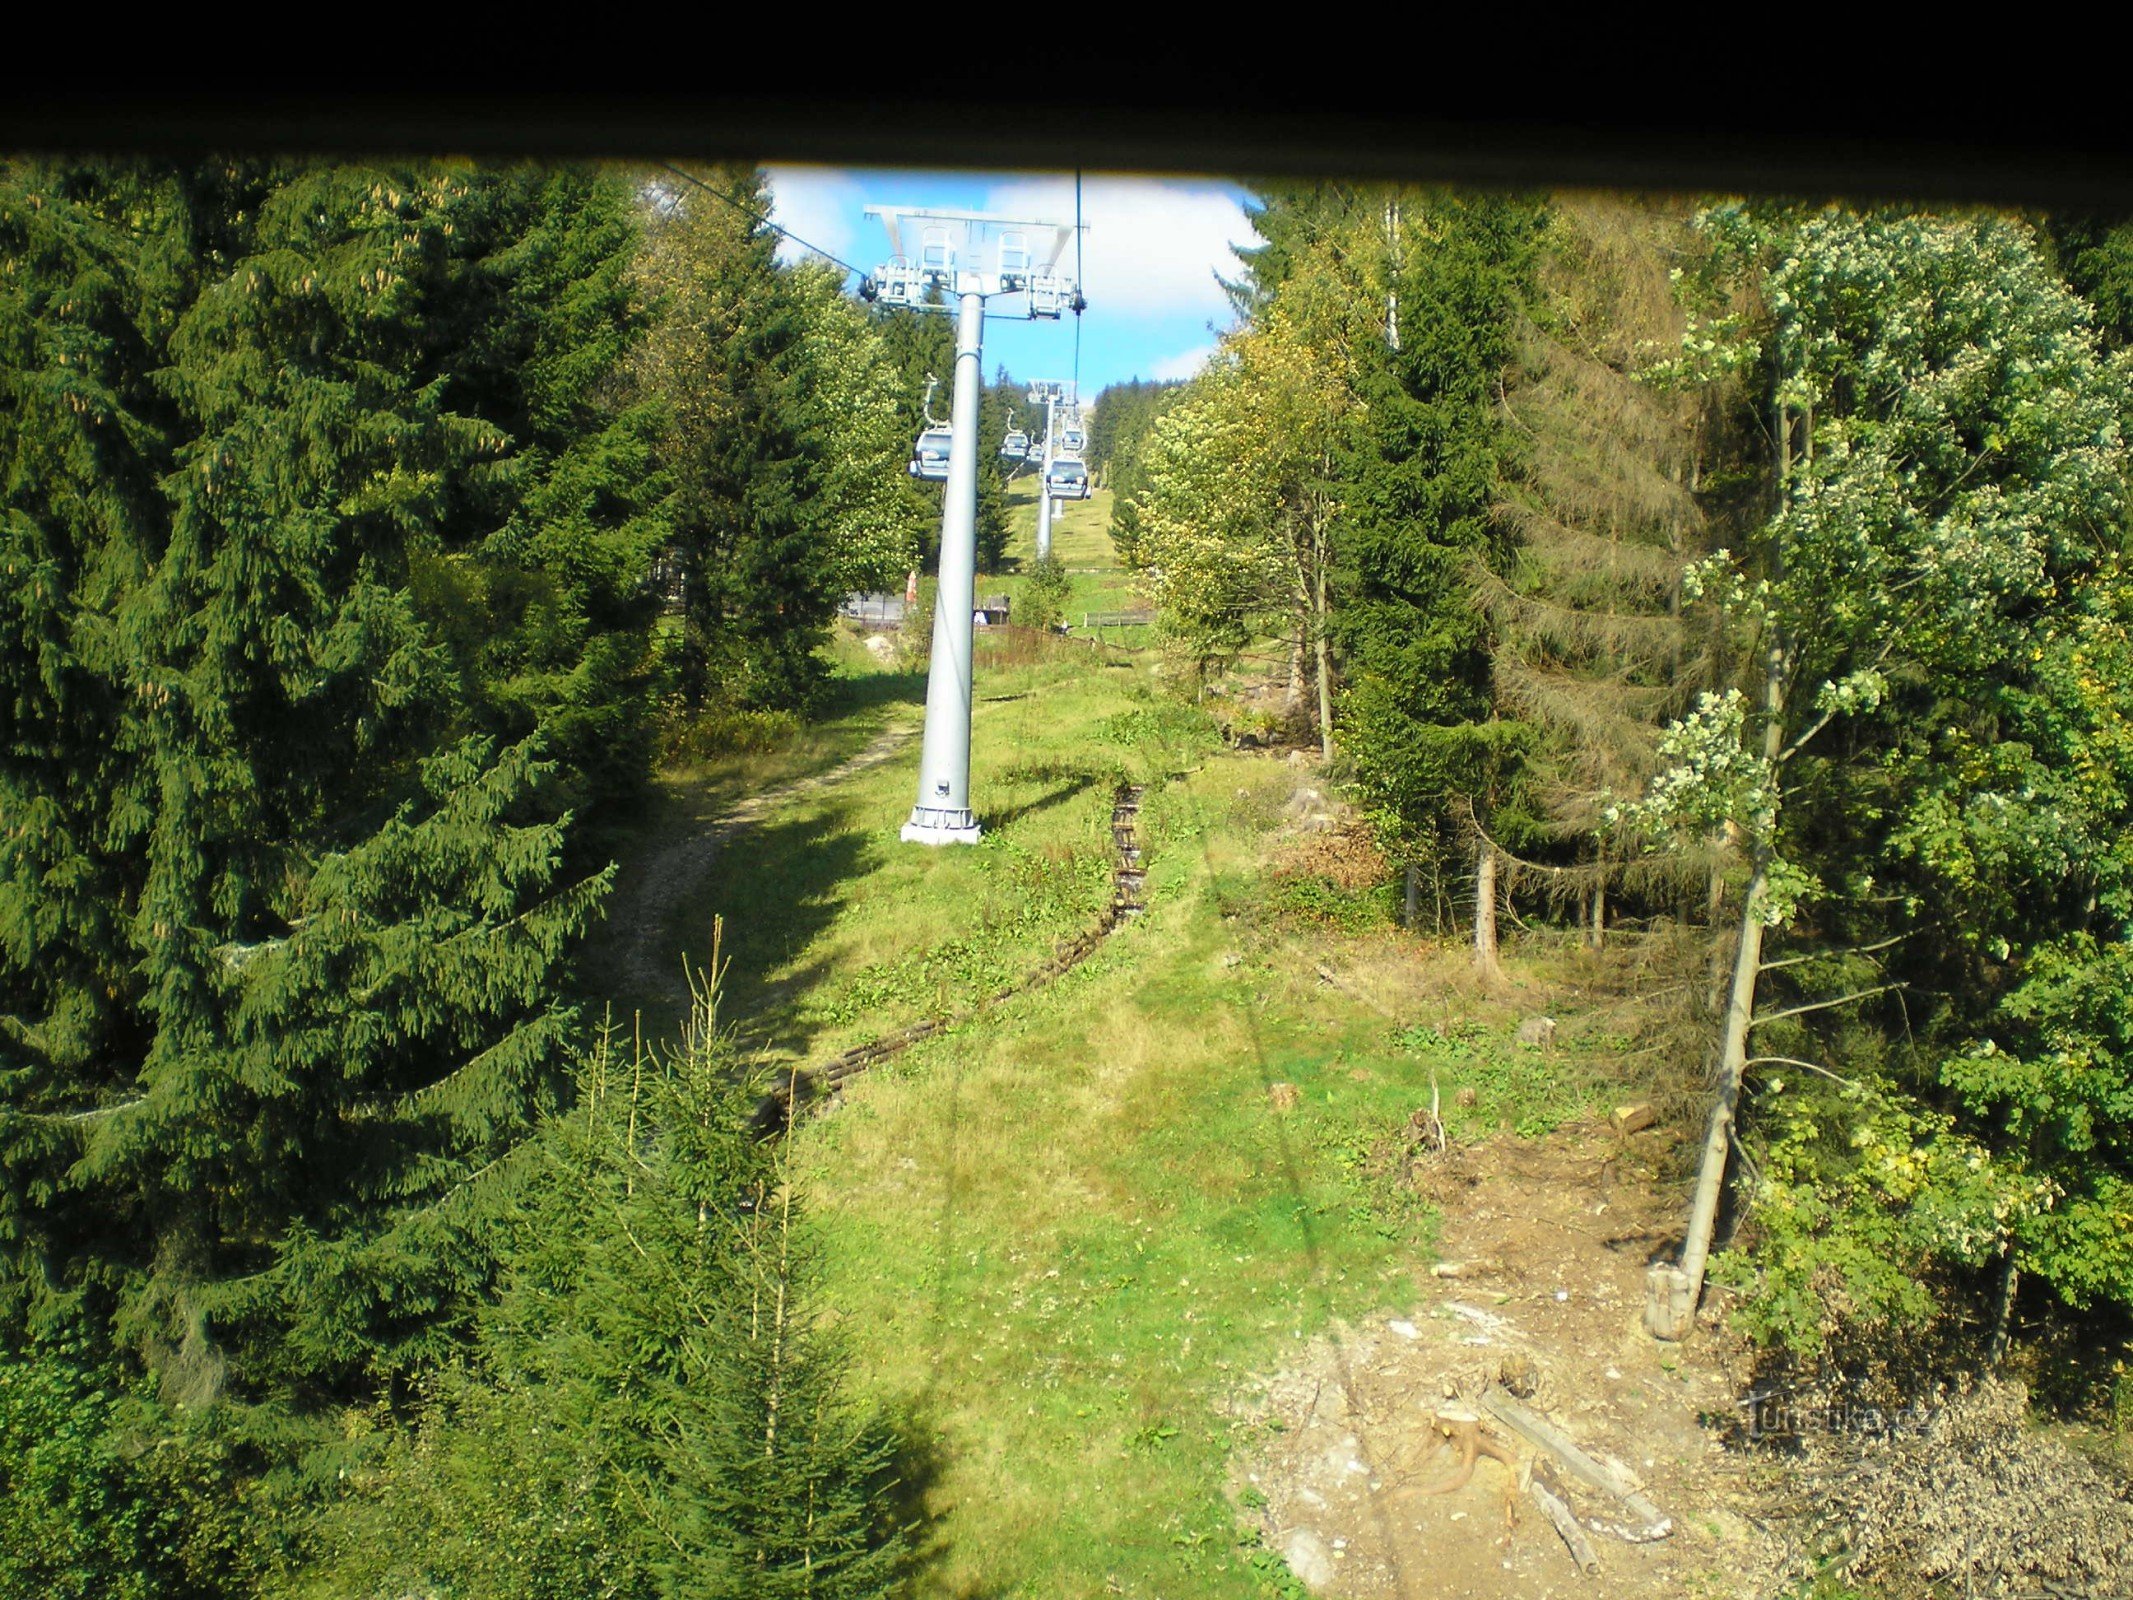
point(1150, 256)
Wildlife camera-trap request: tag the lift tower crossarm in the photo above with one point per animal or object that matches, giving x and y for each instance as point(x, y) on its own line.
point(938, 254)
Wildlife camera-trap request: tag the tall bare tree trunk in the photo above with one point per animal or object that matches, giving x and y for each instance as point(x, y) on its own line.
point(1714, 905)
point(1485, 960)
point(2003, 1308)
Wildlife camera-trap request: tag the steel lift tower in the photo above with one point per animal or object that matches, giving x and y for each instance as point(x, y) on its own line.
point(1050, 394)
point(957, 261)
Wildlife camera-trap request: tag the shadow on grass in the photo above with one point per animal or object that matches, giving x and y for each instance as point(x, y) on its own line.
point(1060, 792)
point(872, 691)
point(906, 1499)
point(779, 884)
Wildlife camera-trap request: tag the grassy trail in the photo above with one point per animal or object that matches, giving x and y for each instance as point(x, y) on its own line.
point(1062, 1236)
point(1063, 1242)
point(650, 904)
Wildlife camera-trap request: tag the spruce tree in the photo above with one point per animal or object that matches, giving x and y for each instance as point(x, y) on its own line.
point(332, 970)
point(652, 1407)
point(1424, 465)
point(84, 438)
point(728, 357)
point(1603, 499)
point(768, 1478)
point(540, 578)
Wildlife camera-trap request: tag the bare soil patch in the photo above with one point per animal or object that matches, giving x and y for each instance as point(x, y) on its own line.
point(1539, 1295)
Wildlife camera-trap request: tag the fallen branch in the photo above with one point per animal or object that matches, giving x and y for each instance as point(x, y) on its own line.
point(1651, 1522)
point(1795, 1061)
point(1832, 955)
point(1566, 1524)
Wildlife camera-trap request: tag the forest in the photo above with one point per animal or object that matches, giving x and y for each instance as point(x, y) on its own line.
point(1705, 619)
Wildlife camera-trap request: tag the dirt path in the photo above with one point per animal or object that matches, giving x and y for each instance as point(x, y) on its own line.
point(649, 890)
point(1545, 1243)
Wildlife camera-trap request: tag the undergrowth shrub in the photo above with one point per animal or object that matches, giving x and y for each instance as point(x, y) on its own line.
point(107, 1495)
point(1043, 600)
point(1337, 877)
point(1161, 725)
point(1863, 1207)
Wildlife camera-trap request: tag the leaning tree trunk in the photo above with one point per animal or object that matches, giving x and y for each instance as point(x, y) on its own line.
point(1670, 1310)
point(1714, 905)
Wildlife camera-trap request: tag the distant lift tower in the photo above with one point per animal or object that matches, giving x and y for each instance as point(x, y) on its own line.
point(957, 260)
point(1050, 394)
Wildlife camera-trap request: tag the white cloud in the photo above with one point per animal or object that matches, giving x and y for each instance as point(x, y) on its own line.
point(1153, 245)
point(821, 205)
point(1185, 364)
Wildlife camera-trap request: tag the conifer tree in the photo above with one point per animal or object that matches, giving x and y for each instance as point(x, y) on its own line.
point(1425, 463)
point(776, 443)
point(341, 945)
point(1603, 500)
point(83, 441)
point(653, 1407)
point(539, 580)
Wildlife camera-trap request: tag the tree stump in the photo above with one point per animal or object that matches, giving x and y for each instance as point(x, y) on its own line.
point(1669, 1302)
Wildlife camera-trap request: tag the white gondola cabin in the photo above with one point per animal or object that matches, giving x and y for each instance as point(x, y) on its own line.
point(1067, 478)
point(929, 457)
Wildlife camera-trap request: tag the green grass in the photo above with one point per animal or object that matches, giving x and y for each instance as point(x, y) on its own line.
point(1081, 539)
point(840, 932)
point(1059, 1238)
point(1059, 1235)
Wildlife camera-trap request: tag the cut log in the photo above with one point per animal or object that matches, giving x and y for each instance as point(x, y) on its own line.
point(1649, 1522)
point(1485, 959)
point(1472, 1267)
point(1566, 1524)
point(1633, 1118)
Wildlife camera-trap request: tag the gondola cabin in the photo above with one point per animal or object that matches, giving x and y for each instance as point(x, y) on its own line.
point(929, 457)
point(1067, 478)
